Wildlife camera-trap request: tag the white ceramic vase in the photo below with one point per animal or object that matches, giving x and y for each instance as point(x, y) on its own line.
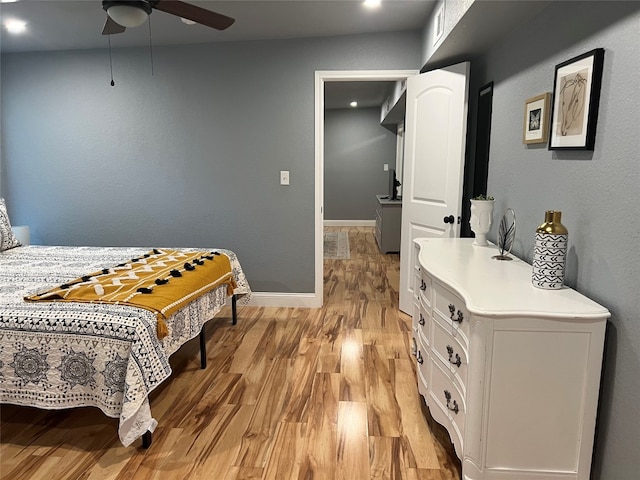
point(480, 221)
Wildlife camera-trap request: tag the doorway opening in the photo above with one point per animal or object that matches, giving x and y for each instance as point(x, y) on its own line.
point(321, 79)
point(476, 179)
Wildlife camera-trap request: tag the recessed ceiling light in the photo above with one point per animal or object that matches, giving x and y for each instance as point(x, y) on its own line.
point(187, 21)
point(15, 26)
point(354, 104)
point(372, 3)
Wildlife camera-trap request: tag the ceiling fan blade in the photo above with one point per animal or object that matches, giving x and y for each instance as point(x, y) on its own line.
point(196, 14)
point(111, 27)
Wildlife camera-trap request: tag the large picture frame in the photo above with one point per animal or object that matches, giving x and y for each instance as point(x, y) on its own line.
point(536, 119)
point(576, 98)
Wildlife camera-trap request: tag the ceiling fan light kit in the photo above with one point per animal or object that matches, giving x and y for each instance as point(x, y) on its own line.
point(123, 14)
point(127, 13)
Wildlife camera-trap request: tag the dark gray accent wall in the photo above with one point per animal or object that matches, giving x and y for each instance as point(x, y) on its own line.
point(356, 147)
point(187, 157)
point(598, 192)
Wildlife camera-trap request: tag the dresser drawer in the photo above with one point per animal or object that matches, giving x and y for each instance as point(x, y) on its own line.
point(423, 325)
point(425, 287)
point(422, 362)
point(415, 285)
point(450, 351)
point(451, 308)
point(449, 402)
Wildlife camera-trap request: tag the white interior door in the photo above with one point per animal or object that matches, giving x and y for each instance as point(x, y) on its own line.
point(435, 138)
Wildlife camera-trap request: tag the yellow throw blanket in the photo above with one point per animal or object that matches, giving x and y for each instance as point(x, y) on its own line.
point(161, 281)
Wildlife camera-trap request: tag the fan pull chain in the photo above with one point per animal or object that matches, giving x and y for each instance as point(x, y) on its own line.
point(150, 46)
point(110, 59)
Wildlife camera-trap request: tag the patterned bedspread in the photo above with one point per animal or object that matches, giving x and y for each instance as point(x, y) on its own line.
point(63, 355)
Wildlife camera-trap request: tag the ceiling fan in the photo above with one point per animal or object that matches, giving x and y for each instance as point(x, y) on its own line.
point(123, 14)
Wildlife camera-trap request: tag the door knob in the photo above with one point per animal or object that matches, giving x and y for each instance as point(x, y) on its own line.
point(449, 219)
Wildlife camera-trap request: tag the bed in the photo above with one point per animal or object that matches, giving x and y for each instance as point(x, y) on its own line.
point(57, 355)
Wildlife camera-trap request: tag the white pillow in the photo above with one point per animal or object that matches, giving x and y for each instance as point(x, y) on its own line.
point(7, 238)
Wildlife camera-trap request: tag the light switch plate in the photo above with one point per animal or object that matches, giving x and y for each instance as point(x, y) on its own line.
point(386, 167)
point(284, 177)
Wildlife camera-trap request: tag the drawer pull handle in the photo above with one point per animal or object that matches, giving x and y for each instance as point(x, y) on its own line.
point(452, 310)
point(455, 408)
point(458, 360)
point(419, 358)
point(423, 286)
point(421, 321)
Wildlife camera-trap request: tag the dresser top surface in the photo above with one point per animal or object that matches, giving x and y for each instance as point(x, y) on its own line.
point(498, 288)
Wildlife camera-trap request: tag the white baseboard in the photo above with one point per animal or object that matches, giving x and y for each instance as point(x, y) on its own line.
point(275, 299)
point(349, 223)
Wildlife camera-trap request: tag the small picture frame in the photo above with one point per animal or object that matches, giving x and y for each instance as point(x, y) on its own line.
point(536, 119)
point(576, 98)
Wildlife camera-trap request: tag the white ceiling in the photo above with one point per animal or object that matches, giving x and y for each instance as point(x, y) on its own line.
point(77, 24)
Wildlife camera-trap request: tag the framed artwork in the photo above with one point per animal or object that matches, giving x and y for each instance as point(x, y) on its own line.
point(536, 119)
point(576, 97)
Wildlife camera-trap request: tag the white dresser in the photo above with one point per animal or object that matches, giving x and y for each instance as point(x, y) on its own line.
point(511, 371)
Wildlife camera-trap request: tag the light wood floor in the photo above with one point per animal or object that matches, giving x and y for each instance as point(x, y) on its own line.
point(287, 394)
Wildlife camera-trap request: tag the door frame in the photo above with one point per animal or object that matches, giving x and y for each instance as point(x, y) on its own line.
point(322, 76)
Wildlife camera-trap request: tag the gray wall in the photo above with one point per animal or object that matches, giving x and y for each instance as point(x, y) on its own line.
point(598, 192)
point(356, 147)
point(187, 157)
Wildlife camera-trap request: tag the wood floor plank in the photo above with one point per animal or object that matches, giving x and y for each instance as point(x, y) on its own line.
point(244, 473)
point(111, 463)
point(221, 442)
point(257, 440)
point(47, 467)
point(252, 346)
point(254, 365)
point(288, 394)
point(384, 455)
point(296, 324)
point(352, 450)
point(352, 367)
point(304, 366)
point(218, 394)
point(419, 474)
point(154, 460)
point(319, 456)
point(419, 444)
point(288, 452)
point(331, 343)
point(383, 410)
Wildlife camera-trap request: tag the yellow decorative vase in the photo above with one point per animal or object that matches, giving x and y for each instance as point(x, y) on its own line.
point(550, 252)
